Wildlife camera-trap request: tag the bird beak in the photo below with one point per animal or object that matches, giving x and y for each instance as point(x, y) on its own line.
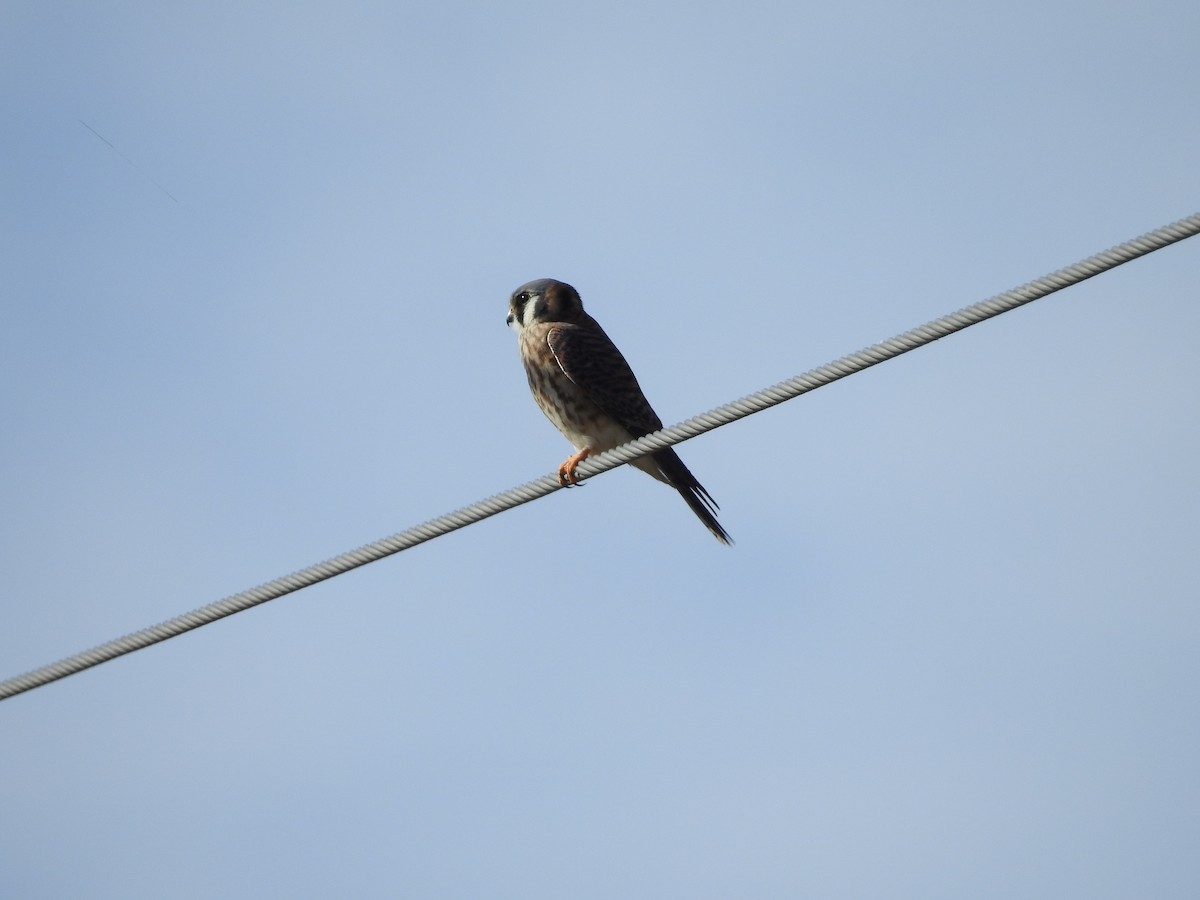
point(509, 320)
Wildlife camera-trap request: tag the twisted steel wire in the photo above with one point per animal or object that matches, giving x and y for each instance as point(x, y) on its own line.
point(690, 428)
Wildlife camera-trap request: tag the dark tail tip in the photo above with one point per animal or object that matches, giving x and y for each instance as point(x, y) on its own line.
point(705, 509)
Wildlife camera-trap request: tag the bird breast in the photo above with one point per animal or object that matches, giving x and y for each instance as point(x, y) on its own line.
point(564, 402)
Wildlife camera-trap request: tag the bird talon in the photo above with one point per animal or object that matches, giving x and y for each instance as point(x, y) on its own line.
point(566, 472)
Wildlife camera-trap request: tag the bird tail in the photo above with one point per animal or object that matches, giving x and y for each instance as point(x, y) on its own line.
point(676, 474)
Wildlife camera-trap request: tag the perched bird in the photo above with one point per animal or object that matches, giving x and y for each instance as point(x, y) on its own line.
point(584, 386)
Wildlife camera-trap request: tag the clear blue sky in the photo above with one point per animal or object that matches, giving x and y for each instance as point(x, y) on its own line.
point(256, 262)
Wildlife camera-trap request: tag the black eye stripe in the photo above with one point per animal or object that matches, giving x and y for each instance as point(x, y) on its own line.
point(522, 300)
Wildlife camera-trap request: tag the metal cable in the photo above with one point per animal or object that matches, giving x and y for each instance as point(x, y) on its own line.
point(722, 415)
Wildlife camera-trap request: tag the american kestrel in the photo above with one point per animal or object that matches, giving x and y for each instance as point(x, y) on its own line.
point(585, 387)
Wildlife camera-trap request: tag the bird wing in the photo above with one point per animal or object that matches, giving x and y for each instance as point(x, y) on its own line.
point(592, 361)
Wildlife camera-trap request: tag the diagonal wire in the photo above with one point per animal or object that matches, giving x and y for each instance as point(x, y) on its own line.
point(722, 415)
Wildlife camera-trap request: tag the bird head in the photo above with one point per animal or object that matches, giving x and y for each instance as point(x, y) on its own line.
point(544, 300)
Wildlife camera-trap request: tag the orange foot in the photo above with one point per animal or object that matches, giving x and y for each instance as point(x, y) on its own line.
point(566, 472)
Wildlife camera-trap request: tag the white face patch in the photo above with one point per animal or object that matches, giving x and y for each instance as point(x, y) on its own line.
point(529, 313)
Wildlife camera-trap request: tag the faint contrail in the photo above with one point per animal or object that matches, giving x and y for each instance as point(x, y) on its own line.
point(128, 160)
